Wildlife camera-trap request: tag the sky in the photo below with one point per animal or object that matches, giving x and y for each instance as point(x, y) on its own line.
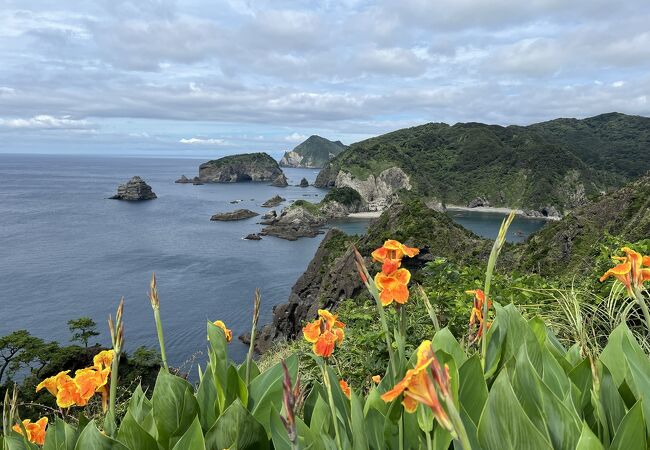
point(215, 77)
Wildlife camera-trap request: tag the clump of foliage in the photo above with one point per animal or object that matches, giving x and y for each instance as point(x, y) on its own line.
point(344, 195)
point(82, 330)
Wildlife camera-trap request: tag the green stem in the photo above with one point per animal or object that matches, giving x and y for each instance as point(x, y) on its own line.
point(400, 426)
point(249, 357)
point(113, 390)
point(328, 386)
point(389, 344)
point(161, 340)
point(644, 308)
point(459, 427)
point(429, 443)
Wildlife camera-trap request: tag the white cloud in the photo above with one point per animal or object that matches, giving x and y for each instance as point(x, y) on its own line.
point(44, 121)
point(202, 141)
point(295, 137)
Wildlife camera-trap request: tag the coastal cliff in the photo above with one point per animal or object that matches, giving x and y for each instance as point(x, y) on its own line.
point(237, 168)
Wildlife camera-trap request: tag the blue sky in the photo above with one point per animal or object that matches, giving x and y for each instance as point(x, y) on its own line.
point(199, 77)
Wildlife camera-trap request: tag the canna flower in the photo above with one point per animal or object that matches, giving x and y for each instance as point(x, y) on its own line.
point(324, 333)
point(87, 381)
point(69, 394)
point(226, 331)
point(103, 359)
point(419, 386)
point(376, 379)
point(393, 250)
point(477, 312)
point(393, 286)
point(52, 383)
point(345, 387)
point(631, 271)
point(35, 430)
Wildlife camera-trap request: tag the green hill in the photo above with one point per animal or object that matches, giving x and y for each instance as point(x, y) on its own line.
point(551, 165)
point(314, 152)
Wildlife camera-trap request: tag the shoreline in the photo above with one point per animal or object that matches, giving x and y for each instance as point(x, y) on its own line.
point(365, 215)
point(499, 210)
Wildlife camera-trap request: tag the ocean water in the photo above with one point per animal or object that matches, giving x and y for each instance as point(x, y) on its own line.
point(67, 251)
point(487, 224)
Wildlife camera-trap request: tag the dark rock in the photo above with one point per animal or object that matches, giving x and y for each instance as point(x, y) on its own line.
point(237, 168)
point(304, 183)
point(273, 202)
point(239, 214)
point(134, 190)
point(233, 202)
point(269, 218)
point(280, 181)
point(253, 237)
point(196, 181)
point(295, 222)
point(478, 201)
point(183, 180)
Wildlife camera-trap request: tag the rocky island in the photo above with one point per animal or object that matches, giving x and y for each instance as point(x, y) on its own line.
point(238, 168)
point(238, 214)
point(313, 153)
point(134, 190)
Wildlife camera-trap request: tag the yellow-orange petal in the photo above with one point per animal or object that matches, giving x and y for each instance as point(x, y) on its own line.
point(37, 431)
point(328, 317)
point(340, 335)
point(324, 346)
point(386, 297)
point(311, 331)
point(618, 270)
point(400, 294)
point(645, 275)
point(645, 260)
point(345, 388)
point(403, 276)
point(380, 254)
point(390, 265)
point(103, 359)
point(410, 404)
point(88, 381)
point(226, 331)
point(410, 251)
point(376, 379)
point(68, 395)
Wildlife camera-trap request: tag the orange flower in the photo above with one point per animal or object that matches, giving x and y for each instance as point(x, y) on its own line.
point(52, 383)
point(35, 430)
point(393, 286)
point(103, 359)
point(345, 388)
point(477, 313)
point(418, 386)
point(630, 271)
point(88, 382)
point(393, 250)
point(69, 394)
point(324, 333)
point(226, 331)
point(376, 379)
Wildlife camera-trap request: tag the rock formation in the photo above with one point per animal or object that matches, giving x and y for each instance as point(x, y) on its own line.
point(304, 183)
point(183, 180)
point(253, 237)
point(280, 181)
point(236, 168)
point(273, 201)
point(134, 190)
point(238, 214)
point(478, 202)
point(313, 153)
point(298, 220)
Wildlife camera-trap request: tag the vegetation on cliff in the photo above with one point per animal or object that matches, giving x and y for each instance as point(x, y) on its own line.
point(242, 167)
point(314, 152)
point(534, 167)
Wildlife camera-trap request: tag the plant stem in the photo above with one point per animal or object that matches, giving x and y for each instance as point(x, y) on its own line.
point(251, 346)
point(161, 340)
point(429, 443)
point(644, 308)
point(113, 391)
point(384, 325)
point(328, 386)
point(458, 425)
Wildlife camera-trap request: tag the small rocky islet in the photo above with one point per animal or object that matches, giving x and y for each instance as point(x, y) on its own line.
point(238, 214)
point(136, 189)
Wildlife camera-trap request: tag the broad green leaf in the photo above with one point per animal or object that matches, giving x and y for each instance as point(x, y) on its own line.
point(638, 365)
point(237, 428)
point(473, 392)
point(174, 407)
point(206, 397)
point(15, 441)
point(265, 391)
point(612, 355)
point(631, 433)
point(445, 341)
point(91, 438)
point(218, 361)
point(60, 436)
point(134, 436)
point(279, 434)
point(582, 379)
point(375, 429)
point(357, 423)
point(613, 406)
point(255, 371)
point(504, 424)
point(588, 440)
point(320, 417)
point(192, 439)
point(236, 387)
point(139, 405)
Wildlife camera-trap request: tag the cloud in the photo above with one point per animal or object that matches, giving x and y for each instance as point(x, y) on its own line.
point(202, 141)
point(295, 137)
point(46, 122)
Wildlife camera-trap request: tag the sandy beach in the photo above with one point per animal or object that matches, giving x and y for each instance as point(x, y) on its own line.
point(366, 215)
point(491, 209)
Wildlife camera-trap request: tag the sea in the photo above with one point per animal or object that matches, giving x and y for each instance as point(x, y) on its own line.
point(67, 251)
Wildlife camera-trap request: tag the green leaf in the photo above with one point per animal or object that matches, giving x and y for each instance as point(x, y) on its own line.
point(279, 434)
point(473, 392)
point(357, 423)
point(375, 429)
point(631, 433)
point(612, 403)
point(237, 428)
point(638, 365)
point(265, 391)
point(612, 355)
point(174, 407)
point(236, 387)
point(255, 371)
point(588, 440)
point(134, 436)
point(192, 439)
point(91, 438)
point(60, 436)
point(15, 441)
point(320, 417)
point(218, 361)
point(206, 397)
point(504, 424)
point(139, 405)
point(445, 341)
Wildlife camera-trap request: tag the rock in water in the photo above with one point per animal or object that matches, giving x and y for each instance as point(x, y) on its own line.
point(134, 190)
point(273, 202)
point(235, 168)
point(253, 237)
point(280, 181)
point(239, 214)
point(304, 182)
point(183, 180)
point(478, 202)
point(295, 222)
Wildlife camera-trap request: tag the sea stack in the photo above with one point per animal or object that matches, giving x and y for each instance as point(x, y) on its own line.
point(237, 168)
point(134, 190)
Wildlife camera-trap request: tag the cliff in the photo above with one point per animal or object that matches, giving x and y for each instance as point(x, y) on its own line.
point(547, 169)
point(236, 168)
point(134, 190)
point(312, 153)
